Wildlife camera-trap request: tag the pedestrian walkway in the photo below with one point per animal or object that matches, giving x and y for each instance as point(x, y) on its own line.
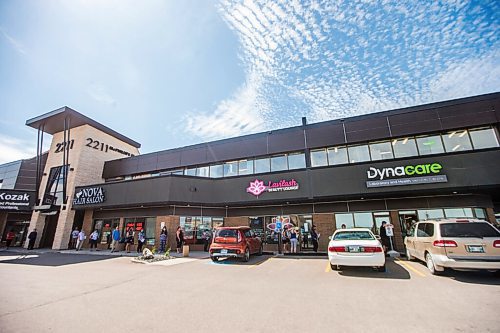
point(19, 250)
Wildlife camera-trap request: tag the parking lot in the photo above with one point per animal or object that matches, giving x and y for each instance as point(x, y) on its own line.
point(63, 292)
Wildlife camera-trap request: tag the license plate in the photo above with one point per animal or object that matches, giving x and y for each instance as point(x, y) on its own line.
point(223, 251)
point(475, 248)
point(354, 249)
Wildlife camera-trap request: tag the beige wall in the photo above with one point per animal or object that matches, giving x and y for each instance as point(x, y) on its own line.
point(87, 164)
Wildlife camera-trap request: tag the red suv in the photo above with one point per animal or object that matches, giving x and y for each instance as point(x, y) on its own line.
point(238, 242)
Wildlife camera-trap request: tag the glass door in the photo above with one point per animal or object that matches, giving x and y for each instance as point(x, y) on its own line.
point(407, 219)
point(305, 226)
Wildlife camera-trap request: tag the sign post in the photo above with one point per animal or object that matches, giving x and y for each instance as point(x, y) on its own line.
point(389, 230)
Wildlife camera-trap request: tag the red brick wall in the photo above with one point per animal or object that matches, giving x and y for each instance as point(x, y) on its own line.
point(325, 226)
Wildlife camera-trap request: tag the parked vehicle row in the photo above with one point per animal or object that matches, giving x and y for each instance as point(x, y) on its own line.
point(447, 243)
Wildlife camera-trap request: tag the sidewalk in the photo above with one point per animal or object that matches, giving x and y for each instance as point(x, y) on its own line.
point(19, 250)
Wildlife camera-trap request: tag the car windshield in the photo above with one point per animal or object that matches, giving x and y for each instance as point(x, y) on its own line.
point(471, 229)
point(353, 235)
point(227, 233)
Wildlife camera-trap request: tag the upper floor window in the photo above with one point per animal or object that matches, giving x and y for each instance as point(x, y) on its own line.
point(202, 171)
point(431, 144)
point(358, 154)
point(231, 169)
point(484, 138)
point(245, 167)
point(318, 158)
point(381, 151)
point(404, 147)
point(296, 161)
point(279, 163)
point(457, 141)
point(337, 155)
point(216, 171)
point(262, 165)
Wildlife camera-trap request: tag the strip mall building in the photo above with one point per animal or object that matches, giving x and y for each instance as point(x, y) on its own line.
point(400, 166)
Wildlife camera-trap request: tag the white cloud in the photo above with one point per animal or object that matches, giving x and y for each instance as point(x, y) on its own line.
point(234, 116)
point(16, 44)
point(326, 59)
point(13, 149)
point(99, 93)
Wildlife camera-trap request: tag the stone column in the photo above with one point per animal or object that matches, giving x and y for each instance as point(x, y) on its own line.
point(63, 231)
point(38, 222)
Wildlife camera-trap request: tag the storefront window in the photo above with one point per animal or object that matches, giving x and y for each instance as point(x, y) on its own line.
point(427, 214)
point(278, 163)
point(337, 155)
point(358, 154)
point(231, 169)
point(139, 223)
point(457, 141)
point(363, 220)
point(458, 212)
point(318, 158)
point(381, 151)
point(296, 161)
point(257, 225)
point(379, 218)
point(404, 147)
point(216, 171)
point(428, 145)
point(202, 171)
point(480, 214)
point(194, 226)
point(245, 167)
point(346, 219)
point(484, 138)
point(262, 165)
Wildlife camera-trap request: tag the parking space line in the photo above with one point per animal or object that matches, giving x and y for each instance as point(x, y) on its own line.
point(328, 268)
point(410, 268)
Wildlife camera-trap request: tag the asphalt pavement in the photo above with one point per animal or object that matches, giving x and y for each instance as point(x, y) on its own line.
point(55, 292)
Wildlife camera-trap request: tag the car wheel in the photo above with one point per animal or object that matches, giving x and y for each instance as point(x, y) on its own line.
point(381, 269)
point(430, 264)
point(334, 267)
point(260, 250)
point(214, 259)
point(246, 256)
point(408, 255)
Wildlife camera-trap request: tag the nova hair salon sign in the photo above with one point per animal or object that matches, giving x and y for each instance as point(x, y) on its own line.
point(406, 175)
point(89, 196)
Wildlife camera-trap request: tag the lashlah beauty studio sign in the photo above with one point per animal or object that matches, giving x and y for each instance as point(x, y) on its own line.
point(258, 187)
point(406, 175)
point(89, 196)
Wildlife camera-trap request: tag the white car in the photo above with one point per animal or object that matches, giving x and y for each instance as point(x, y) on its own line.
point(355, 247)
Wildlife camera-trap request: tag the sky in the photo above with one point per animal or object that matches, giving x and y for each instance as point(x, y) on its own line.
point(173, 73)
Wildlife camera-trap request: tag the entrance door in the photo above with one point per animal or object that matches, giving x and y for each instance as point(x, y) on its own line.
point(407, 219)
point(305, 226)
point(49, 230)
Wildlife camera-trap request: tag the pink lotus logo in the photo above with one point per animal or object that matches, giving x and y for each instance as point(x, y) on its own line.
point(256, 188)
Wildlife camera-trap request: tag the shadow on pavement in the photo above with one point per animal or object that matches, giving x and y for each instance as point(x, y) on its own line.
point(254, 260)
point(393, 271)
point(474, 277)
point(49, 259)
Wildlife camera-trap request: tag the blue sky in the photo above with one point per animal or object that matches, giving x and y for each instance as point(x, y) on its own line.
point(175, 73)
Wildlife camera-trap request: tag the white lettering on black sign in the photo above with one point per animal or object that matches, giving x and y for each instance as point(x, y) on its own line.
point(89, 196)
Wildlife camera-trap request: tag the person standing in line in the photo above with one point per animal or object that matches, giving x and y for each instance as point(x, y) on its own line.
point(32, 239)
point(285, 238)
point(386, 243)
point(81, 239)
point(343, 226)
point(115, 239)
point(8, 239)
point(314, 238)
point(206, 240)
point(179, 237)
point(141, 239)
point(293, 241)
point(129, 239)
point(93, 240)
point(163, 240)
point(74, 238)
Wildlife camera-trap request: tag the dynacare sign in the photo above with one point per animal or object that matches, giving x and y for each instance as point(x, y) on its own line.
point(89, 196)
point(12, 200)
point(406, 175)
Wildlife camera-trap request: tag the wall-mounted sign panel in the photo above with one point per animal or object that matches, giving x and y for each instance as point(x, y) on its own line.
point(12, 200)
point(89, 196)
point(405, 175)
point(258, 187)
